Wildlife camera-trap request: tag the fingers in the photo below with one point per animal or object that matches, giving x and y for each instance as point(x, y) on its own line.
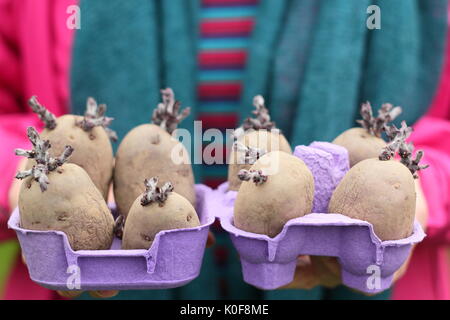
point(304, 277)
point(312, 271)
point(422, 218)
point(95, 294)
point(328, 271)
point(303, 261)
point(69, 294)
point(400, 272)
point(211, 240)
point(13, 192)
point(111, 194)
point(421, 206)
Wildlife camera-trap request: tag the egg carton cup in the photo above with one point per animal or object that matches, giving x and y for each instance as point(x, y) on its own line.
point(174, 259)
point(367, 263)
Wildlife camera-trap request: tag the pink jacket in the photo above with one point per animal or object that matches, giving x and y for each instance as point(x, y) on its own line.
point(428, 276)
point(35, 58)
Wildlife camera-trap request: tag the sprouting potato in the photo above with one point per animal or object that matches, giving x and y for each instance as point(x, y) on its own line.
point(90, 137)
point(254, 138)
point(366, 142)
point(61, 196)
point(381, 190)
point(278, 188)
point(360, 144)
point(149, 150)
point(158, 209)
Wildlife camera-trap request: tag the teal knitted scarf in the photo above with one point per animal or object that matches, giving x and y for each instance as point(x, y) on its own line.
point(315, 61)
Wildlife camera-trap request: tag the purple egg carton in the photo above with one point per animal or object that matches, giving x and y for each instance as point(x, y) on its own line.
point(174, 259)
point(367, 263)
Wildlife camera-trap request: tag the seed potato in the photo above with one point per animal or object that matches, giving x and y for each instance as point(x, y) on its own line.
point(360, 144)
point(89, 135)
point(92, 150)
point(366, 142)
point(379, 192)
point(144, 222)
point(286, 194)
point(71, 204)
point(259, 139)
point(146, 151)
point(258, 133)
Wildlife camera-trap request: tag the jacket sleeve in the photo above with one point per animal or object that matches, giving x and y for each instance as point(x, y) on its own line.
point(432, 135)
point(14, 116)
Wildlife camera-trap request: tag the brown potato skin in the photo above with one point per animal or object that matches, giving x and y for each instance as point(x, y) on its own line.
point(360, 144)
point(71, 204)
point(144, 222)
point(261, 139)
point(288, 194)
point(145, 152)
point(92, 150)
point(380, 192)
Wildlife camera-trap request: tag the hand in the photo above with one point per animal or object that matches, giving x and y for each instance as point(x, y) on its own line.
point(112, 293)
point(95, 294)
point(422, 218)
point(315, 271)
point(13, 197)
point(421, 206)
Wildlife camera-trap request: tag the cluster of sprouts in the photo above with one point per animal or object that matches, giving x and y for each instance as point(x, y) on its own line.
point(44, 163)
point(261, 121)
point(46, 116)
point(94, 116)
point(167, 114)
point(257, 176)
point(398, 144)
point(377, 125)
point(153, 193)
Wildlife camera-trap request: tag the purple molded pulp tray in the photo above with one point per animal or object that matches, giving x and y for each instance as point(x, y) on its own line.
point(174, 259)
point(368, 264)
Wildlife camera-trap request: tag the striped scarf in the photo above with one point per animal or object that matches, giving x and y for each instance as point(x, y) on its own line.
point(225, 35)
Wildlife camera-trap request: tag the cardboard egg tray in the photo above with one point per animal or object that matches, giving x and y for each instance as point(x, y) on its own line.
point(174, 259)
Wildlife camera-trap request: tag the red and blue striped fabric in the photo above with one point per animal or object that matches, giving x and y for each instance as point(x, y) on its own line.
point(225, 31)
